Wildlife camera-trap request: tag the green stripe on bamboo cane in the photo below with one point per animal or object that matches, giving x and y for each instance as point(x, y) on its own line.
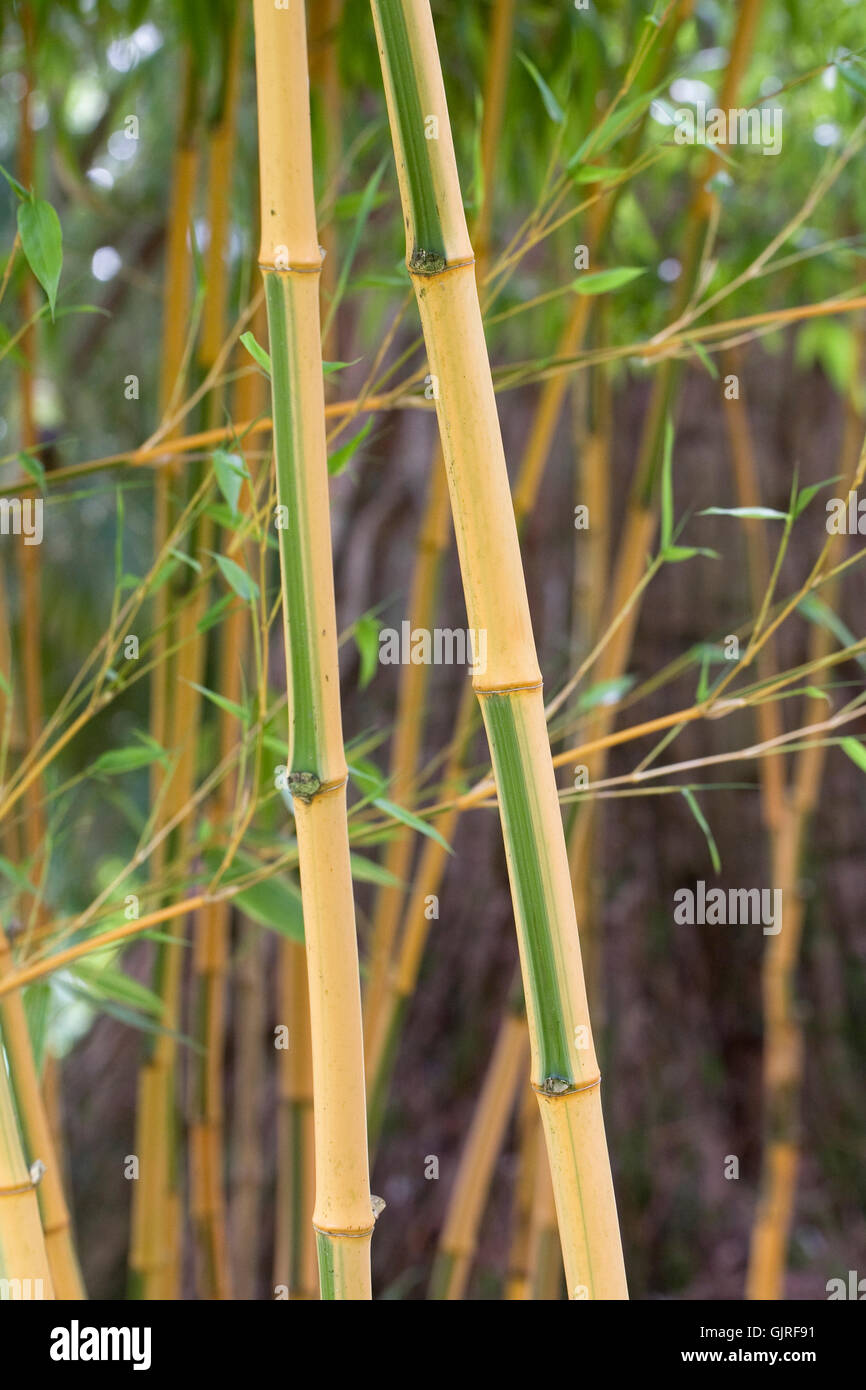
point(514, 779)
point(300, 625)
point(429, 253)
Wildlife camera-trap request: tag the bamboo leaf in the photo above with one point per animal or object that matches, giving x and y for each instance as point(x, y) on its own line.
point(341, 458)
point(852, 73)
point(222, 702)
point(185, 559)
point(699, 816)
point(368, 777)
point(107, 982)
point(257, 352)
point(42, 244)
point(16, 876)
point(117, 760)
point(230, 474)
point(31, 465)
point(244, 586)
point(329, 368)
point(674, 554)
point(605, 693)
point(604, 281)
point(817, 611)
point(805, 497)
point(366, 634)
point(400, 813)
point(214, 613)
point(703, 357)
point(856, 751)
point(596, 173)
point(614, 124)
point(368, 871)
point(551, 105)
point(272, 902)
point(17, 188)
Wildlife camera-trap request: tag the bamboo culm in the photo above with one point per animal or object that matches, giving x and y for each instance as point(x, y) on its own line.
point(564, 1070)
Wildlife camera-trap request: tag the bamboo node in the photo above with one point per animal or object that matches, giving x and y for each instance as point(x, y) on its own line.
point(423, 262)
point(344, 1235)
point(37, 1172)
point(560, 1086)
point(303, 785)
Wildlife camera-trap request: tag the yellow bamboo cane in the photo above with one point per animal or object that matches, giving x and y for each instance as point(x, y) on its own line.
point(24, 1263)
point(211, 935)
point(154, 1245)
point(433, 539)
point(40, 1143)
point(564, 1069)
point(290, 258)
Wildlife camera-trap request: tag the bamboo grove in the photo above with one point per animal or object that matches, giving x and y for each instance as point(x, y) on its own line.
point(333, 853)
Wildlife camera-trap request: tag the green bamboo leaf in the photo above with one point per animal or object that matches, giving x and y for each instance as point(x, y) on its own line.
point(341, 458)
point(703, 357)
point(400, 813)
point(37, 1007)
point(805, 497)
point(117, 760)
point(703, 678)
point(107, 982)
point(257, 352)
point(17, 188)
point(230, 474)
point(605, 693)
point(855, 750)
point(852, 74)
point(214, 613)
point(614, 124)
point(817, 611)
point(330, 367)
point(596, 173)
point(604, 281)
point(244, 586)
point(31, 465)
point(273, 902)
point(368, 871)
point(674, 554)
point(222, 703)
point(42, 244)
point(551, 105)
point(366, 634)
point(185, 559)
point(368, 777)
point(699, 816)
point(16, 876)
